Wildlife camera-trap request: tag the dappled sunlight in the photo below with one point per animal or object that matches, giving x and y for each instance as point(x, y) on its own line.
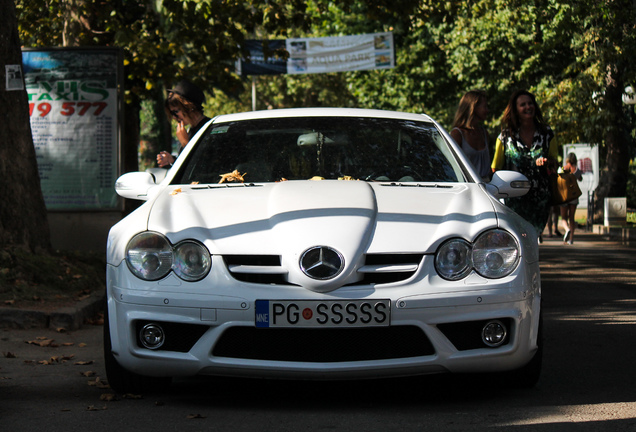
point(575, 414)
point(618, 312)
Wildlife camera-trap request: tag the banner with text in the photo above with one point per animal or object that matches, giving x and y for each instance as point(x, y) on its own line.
point(74, 107)
point(321, 55)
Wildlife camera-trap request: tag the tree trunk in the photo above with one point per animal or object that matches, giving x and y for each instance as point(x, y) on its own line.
point(130, 145)
point(613, 179)
point(23, 217)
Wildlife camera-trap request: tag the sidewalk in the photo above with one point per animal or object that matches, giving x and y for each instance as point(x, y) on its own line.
point(620, 242)
point(626, 236)
point(600, 233)
point(67, 318)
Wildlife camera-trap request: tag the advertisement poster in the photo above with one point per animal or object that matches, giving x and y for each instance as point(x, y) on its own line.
point(340, 54)
point(74, 110)
point(258, 63)
point(587, 161)
point(321, 55)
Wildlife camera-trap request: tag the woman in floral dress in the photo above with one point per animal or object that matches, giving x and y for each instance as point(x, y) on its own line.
point(524, 146)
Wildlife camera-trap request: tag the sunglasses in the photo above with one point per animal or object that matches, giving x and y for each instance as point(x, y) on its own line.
point(174, 112)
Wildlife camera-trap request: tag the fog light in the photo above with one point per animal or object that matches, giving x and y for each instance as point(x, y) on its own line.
point(494, 333)
point(152, 336)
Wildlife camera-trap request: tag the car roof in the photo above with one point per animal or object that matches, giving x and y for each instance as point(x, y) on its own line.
point(321, 112)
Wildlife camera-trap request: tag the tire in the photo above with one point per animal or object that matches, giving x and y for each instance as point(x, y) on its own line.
point(123, 381)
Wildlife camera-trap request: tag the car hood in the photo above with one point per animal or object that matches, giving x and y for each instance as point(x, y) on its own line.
point(354, 217)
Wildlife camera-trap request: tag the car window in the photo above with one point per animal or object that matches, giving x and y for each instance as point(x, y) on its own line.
point(269, 150)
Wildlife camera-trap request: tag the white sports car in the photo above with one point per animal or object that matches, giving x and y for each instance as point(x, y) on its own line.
point(321, 244)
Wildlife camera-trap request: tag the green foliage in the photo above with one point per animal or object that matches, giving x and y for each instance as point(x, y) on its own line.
point(575, 55)
point(163, 40)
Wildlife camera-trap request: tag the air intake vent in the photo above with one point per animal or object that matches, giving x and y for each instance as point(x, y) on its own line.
point(323, 345)
point(389, 268)
point(262, 269)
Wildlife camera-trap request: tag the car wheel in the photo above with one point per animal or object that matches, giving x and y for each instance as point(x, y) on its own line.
point(528, 375)
point(122, 380)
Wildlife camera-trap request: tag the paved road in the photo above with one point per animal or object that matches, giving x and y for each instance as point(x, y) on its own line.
point(588, 382)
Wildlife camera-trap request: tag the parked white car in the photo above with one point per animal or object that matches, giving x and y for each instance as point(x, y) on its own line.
point(321, 244)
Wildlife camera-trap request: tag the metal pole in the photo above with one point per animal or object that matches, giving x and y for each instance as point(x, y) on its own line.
point(253, 93)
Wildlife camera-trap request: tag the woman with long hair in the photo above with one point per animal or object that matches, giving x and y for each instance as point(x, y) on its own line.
point(470, 134)
point(524, 145)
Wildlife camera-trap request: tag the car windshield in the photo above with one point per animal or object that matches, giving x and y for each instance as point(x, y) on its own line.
point(370, 149)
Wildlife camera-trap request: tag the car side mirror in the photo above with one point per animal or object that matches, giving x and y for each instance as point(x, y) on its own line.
point(508, 184)
point(135, 185)
point(158, 173)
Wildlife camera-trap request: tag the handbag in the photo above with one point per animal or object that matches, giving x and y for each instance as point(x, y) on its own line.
point(567, 187)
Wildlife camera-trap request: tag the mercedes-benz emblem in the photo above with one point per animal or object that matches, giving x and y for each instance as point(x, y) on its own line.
point(321, 262)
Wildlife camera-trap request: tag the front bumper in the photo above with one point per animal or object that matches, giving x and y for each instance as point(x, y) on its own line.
point(215, 334)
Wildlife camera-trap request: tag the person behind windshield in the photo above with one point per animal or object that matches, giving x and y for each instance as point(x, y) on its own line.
point(468, 131)
point(185, 105)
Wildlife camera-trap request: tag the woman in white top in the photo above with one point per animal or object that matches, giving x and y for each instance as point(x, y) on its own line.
point(468, 131)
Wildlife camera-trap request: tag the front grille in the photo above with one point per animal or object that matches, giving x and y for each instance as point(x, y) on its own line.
point(376, 269)
point(388, 268)
point(261, 269)
point(323, 345)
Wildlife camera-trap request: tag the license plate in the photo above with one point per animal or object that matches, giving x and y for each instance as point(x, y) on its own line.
point(313, 313)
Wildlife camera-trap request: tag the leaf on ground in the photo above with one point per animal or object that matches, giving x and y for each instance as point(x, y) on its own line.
point(99, 383)
point(67, 344)
point(94, 408)
point(60, 359)
point(9, 354)
point(87, 374)
point(60, 330)
point(108, 397)
point(98, 320)
point(82, 345)
point(42, 341)
point(83, 363)
point(195, 416)
point(132, 396)
point(9, 302)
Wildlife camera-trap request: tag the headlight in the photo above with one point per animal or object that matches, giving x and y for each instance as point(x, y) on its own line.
point(191, 261)
point(494, 254)
point(452, 260)
point(150, 256)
